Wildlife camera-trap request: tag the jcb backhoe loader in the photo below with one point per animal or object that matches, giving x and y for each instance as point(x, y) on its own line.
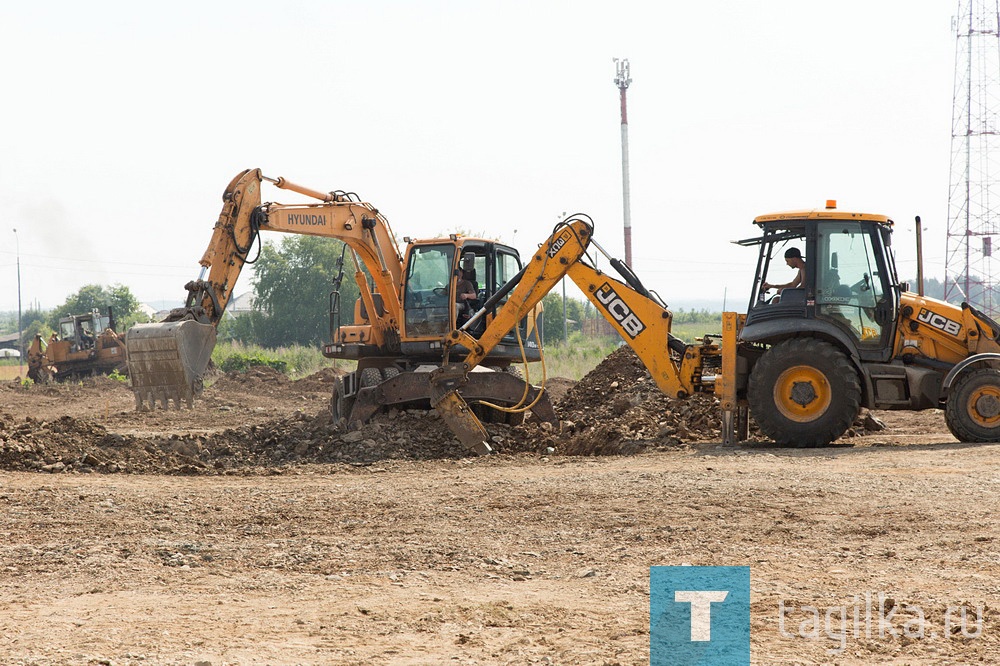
point(403, 313)
point(84, 345)
point(802, 362)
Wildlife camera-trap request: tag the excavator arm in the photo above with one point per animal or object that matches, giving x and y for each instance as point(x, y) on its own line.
point(167, 360)
point(638, 315)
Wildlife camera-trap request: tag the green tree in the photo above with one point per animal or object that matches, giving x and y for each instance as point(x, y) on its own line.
point(95, 296)
point(292, 282)
point(552, 317)
point(34, 321)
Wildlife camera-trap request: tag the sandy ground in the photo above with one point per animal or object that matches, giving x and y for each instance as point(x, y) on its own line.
point(518, 558)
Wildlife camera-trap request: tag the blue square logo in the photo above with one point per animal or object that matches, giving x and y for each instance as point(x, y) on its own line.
point(699, 616)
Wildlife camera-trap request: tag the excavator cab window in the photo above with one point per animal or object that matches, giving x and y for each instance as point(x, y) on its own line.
point(428, 295)
point(507, 267)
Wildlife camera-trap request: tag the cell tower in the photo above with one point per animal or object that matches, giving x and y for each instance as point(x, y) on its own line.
point(974, 195)
point(622, 80)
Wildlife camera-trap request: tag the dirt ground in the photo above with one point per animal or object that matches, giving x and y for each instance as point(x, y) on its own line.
point(252, 530)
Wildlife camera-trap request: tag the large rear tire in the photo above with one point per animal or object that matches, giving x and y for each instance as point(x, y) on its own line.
point(804, 392)
point(973, 408)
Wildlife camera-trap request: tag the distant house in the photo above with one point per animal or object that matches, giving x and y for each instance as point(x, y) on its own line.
point(8, 341)
point(238, 305)
point(241, 305)
point(147, 310)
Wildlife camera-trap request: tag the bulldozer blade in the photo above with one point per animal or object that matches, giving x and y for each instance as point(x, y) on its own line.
point(462, 422)
point(167, 361)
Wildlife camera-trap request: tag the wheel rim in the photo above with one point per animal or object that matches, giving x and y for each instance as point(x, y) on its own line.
point(802, 393)
point(984, 406)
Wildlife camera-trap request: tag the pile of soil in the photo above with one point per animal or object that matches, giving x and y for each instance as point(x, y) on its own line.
point(263, 422)
point(617, 409)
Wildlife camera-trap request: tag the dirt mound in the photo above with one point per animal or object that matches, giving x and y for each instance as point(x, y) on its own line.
point(258, 379)
point(618, 409)
point(262, 422)
point(615, 409)
point(319, 382)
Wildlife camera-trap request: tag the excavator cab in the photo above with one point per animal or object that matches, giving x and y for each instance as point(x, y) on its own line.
point(435, 273)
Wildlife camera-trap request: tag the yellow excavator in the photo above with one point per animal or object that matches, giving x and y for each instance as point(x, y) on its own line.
point(408, 303)
point(802, 363)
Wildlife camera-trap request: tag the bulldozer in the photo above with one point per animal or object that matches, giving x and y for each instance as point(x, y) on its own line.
point(844, 335)
point(408, 302)
point(84, 345)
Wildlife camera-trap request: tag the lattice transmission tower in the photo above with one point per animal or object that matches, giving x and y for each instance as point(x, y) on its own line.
point(971, 268)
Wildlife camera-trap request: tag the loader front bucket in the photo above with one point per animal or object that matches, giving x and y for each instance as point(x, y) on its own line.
point(167, 361)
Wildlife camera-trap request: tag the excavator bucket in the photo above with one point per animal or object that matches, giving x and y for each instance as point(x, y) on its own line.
point(167, 361)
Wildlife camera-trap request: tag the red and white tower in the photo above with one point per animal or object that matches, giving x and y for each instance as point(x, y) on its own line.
point(622, 80)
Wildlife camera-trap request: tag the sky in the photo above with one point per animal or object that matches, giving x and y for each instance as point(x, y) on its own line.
point(123, 122)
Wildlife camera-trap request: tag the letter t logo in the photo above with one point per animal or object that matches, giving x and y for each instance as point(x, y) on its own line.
point(701, 610)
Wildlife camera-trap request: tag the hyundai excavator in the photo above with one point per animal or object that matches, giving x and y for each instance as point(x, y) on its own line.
point(802, 363)
point(407, 305)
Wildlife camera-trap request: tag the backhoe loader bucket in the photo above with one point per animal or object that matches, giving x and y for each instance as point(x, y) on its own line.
point(167, 361)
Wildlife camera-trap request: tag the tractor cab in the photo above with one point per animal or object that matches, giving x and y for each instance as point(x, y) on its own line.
point(81, 331)
point(849, 293)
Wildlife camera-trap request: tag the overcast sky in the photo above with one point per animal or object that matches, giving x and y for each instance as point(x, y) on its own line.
point(124, 121)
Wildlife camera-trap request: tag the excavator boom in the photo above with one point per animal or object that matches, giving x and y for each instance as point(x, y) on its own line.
point(167, 360)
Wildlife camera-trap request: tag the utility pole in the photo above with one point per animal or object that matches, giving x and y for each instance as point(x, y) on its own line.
point(20, 346)
point(622, 80)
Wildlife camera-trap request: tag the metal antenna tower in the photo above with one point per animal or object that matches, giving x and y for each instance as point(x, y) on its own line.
point(974, 195)
point(622, 80)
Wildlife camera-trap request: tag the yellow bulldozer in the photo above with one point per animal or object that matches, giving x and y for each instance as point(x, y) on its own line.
point(85, 345)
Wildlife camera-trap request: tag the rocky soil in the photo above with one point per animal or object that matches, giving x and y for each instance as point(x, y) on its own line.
point(252, 529)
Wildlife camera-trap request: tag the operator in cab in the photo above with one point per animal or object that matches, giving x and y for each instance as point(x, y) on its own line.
point(466, 290)
point(793, 257)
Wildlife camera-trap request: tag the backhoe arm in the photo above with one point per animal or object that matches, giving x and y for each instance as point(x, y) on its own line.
point(638, 316)
point(567, 244)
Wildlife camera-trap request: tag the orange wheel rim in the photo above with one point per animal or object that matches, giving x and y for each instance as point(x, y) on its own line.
point(984, 406)
point(803, 394)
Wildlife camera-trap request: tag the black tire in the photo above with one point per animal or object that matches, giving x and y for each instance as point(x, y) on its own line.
point(340, 406)
point(973, 408)
point(804, 392)
point(514, 370)
point(390, 372)
point(370, 377)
